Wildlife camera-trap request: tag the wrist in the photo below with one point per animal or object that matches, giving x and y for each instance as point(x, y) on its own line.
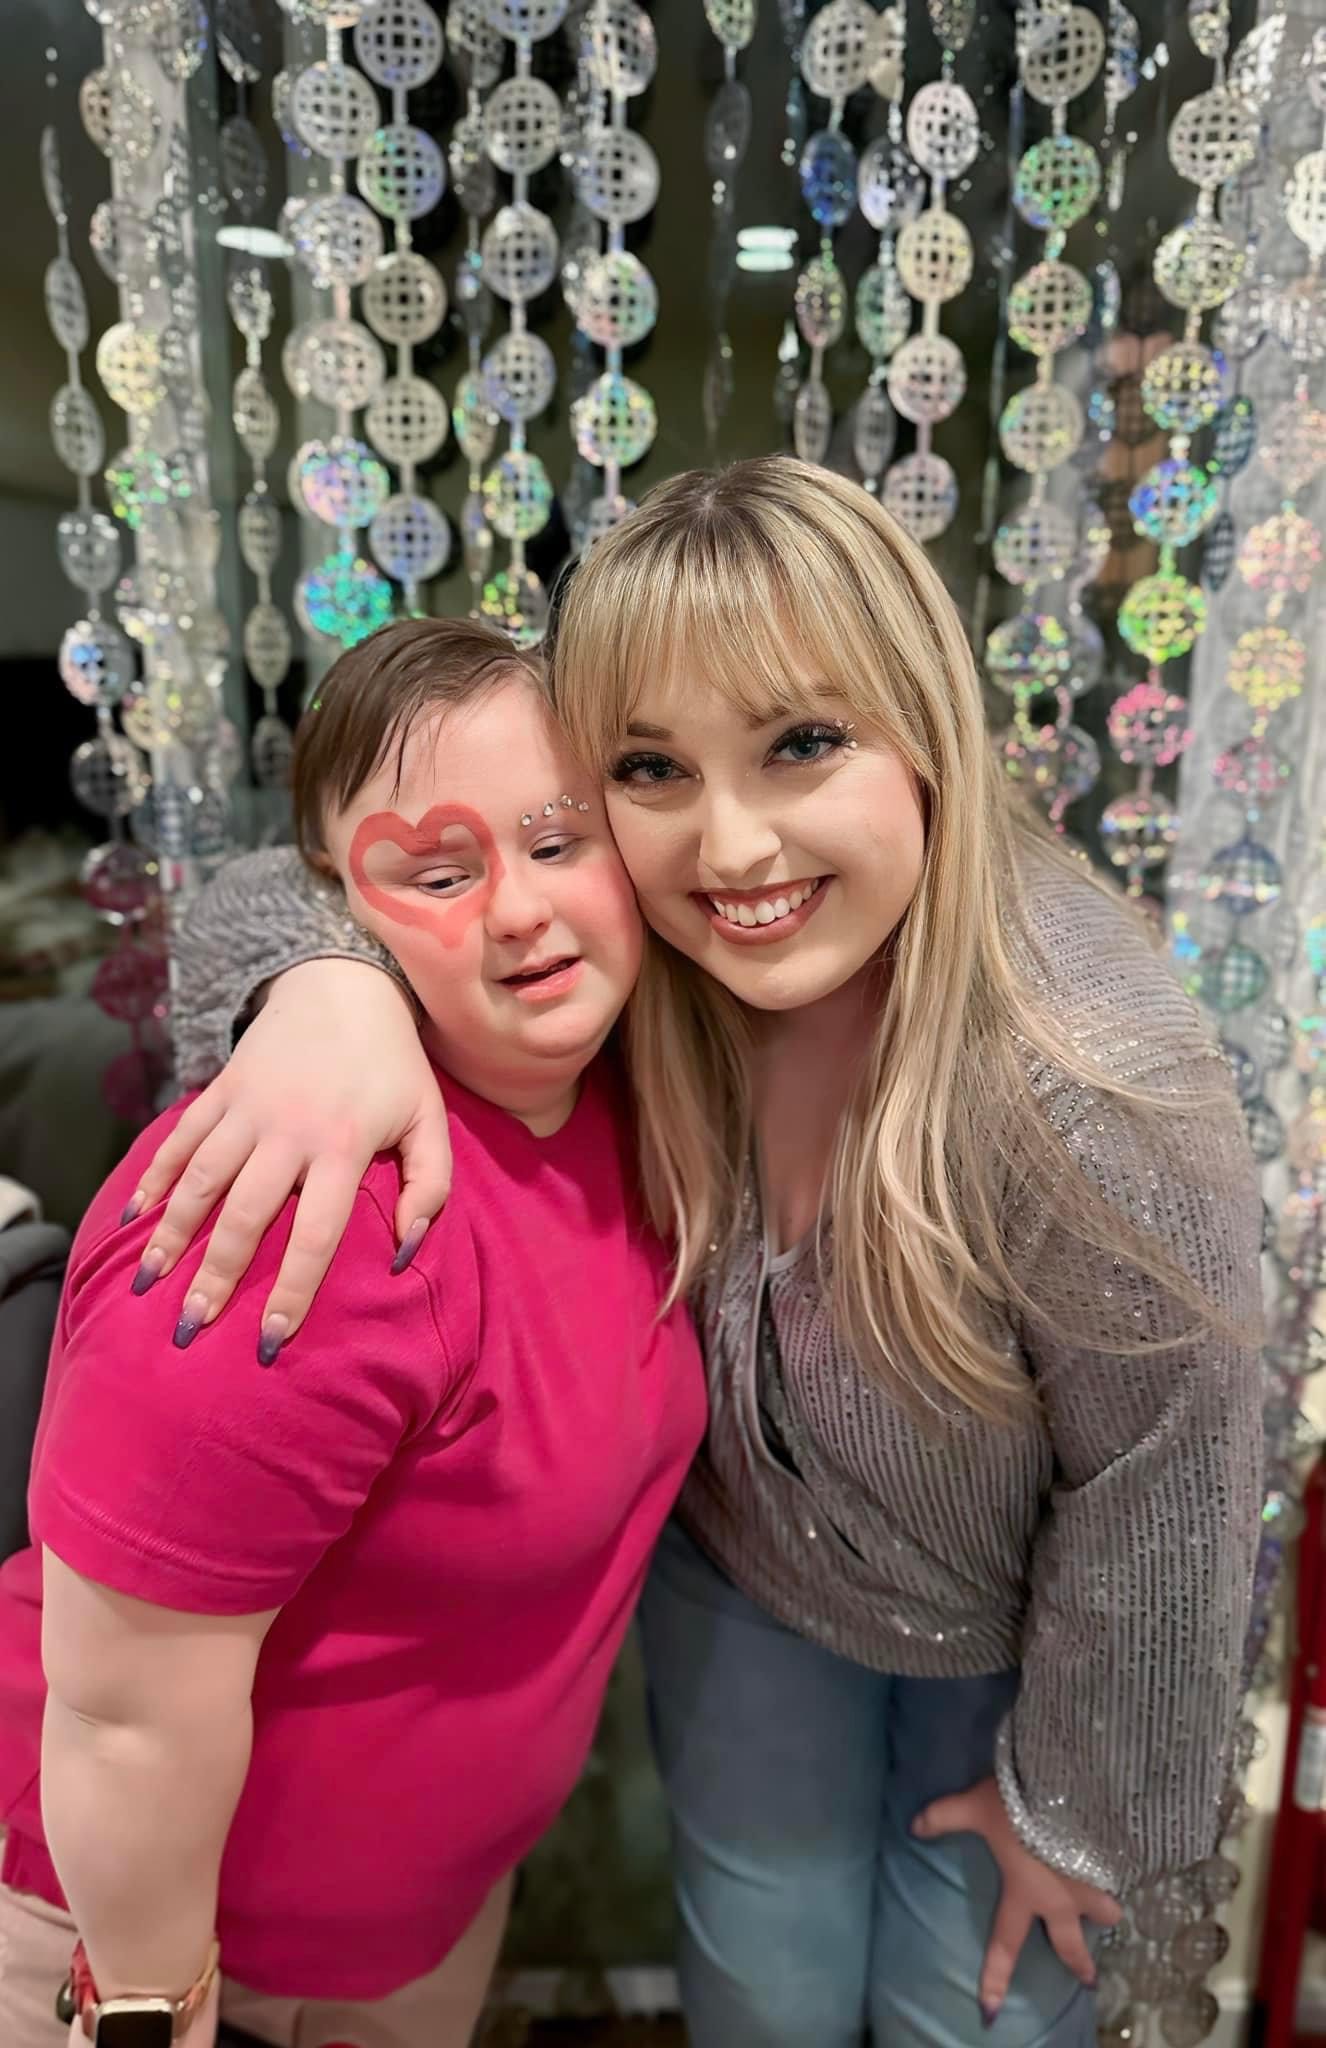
point(143, 2019)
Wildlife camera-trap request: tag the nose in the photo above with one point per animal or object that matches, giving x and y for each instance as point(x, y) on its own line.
point(736, 838)
point(518, 907)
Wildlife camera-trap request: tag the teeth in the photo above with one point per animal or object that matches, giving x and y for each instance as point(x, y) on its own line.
point(768, 910)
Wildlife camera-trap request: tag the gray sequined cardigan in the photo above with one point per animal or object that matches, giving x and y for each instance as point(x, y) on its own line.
point(1103, 1541)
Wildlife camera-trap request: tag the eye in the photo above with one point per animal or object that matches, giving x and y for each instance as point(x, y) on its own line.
point(552, 849)
point(442, 885)
point(645, 771)
point(807, 744)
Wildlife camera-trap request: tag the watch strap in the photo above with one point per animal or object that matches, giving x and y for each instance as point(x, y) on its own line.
point(85, 1997)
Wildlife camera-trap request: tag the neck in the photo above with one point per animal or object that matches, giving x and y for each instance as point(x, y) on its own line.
point(836, 1028)
point(540, 1096)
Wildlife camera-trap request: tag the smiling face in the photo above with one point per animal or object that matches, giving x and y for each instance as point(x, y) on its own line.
point(508, 909)
point(776, 848)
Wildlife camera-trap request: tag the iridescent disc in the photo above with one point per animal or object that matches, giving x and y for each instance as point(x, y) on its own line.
point(108, 776)
point(821, 302)
point(334, 109)
point(1219, 551)
point(1233, 978)
point(1282, 555)
point(727, 128)
point(618, 47)
point(517, 602)
point(1197, 265)
point(732, 21)
point(1298, 315)
point(1305, 201)
point(1035, 545)
point(1057, 182)
point(614, 421)
point(1064, 57)
point(249, 299)
point(475, 43)
point(519, 252)
point(66, 305)
point(517, 495)
point(1208, 25)
point(943, 130)
point(52, 181)
point(952, 22)
point(401, 171)
point(297, 359)
point(239, 45)
point(243, 165)
point(927, 378)
point(346, 366)
point(617, 303)
point(617, 176)
point(473, 177)
point(123, 243)
point(129, 366)
point(476, 538)
point(271, 749)
point(885, 48)
point(519, 377)
point(341, 480)
point(259, 528)
point(475, 421)
point(344, 598)
point(404, 298)
point(921, 492)
point(94, 108)
point(1057, 763)
point(1041, 427)
point(1031, 651)
point(135, 125)
point(407, 419)
point(888, 191)
point(1251, 770)
point(88, 545)
point(1243, 877)
point(812, 422)
point(338, 240)
point(1212, 137)
point(521, 123)
point(399, 43)
point(96, 662)
point(137, 479)
point(1293, 446)
point(267, 645)
point(410, 538)
point(1049, 307)
point(1184, 387)
point(834, 52)
point(874, 432)
point(934, 256)
point(76, 431)
point(601, 517)
point(1139, 829)
point(1149, 725)
point(254, 412)
point(1266, 668)
point(118, 881)
point(828, 178)
point(1162, 616)
point(525, 20)
point(883, 311)
point(1174, 502)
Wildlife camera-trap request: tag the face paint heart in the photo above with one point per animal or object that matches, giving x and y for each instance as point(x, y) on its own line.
point(448, 922)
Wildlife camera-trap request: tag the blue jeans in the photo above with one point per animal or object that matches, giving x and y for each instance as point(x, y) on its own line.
point(808, 1914)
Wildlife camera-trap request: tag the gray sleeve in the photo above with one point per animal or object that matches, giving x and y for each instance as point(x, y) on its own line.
point(263, 913)
point(1118, 1755)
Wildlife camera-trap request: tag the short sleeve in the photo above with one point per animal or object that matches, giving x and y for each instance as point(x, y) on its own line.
point(198, 1479)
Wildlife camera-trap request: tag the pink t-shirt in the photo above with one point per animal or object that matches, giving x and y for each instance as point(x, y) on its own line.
point(450, 1484)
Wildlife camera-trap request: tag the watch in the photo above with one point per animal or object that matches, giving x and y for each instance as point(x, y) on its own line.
point(136, 2022)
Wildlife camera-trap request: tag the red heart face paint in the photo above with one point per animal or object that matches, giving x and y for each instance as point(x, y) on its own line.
point(447, 921)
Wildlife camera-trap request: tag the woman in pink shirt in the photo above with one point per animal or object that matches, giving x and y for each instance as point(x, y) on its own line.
point(305, 1662)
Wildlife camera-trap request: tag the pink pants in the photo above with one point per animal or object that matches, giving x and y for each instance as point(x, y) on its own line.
point(437, 2011)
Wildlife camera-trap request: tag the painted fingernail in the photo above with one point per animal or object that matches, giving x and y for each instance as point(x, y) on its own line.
point(149, 1269)
point(133, 1207)
point(193, 1317)
point(989, 2014)
point(275, 1330)
point(410, 1244)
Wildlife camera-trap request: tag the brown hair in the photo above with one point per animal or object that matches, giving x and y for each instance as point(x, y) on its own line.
point(372, 697)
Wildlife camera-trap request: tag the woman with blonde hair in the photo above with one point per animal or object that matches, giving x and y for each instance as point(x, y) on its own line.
point(944, 1643)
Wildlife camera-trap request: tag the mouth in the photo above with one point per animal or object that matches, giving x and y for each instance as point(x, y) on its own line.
point(751, 917)
point(549, 978)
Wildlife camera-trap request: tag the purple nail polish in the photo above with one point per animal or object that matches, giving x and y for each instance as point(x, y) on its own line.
point(410, 1244)
point(149, 1270)
point(989, 2014)
point(272, 1336)
point(186, 1329)
point(132, 1208)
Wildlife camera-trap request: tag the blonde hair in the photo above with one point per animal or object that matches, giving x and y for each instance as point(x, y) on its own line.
point(722, 574)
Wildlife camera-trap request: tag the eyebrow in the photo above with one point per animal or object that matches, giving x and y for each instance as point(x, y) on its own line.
point(640, 729)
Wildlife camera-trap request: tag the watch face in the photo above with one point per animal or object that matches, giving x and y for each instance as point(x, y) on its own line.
point(127, 2028)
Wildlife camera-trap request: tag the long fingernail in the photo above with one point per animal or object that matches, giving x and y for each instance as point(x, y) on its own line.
point(989, 2014)
point(275, 1330)
point(133, 1207)
point(410, 1244)
point(149, 1269)
point(191, 1321)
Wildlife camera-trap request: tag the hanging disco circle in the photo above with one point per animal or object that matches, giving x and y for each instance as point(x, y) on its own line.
point(618, 47)
point(1035, 545)
point(828, 178)
point(410, 538)
point(812, 422)
point(341, 481)
point(399, 44)
point(617, 305)
point(95, 662)
point(1184, 387)
point(882, 311)
point(520, 375)
point(1197, 265)
point(1162, 616)
point(835, 50)
point(615, 421)
point(525, 20)
point(943, 129)
point(88, 546)
point(519, 251)
point(515, 601)
point(617, 177)
point(407, 419)
point(401, 171)
point(517, 495)
point(346, 365)
point(927, 378)
point(1041, 427)
point(66, 305)
point(921, 492)
point(1049, 307)
point(1057, 183)
point(334, 110)
point(474, 420)
point(1174, 502)
point(344, 598)
point(934, 256)
point(337, 239)
point(267, 645)
point(259, 532)
point(108, 776)
point(521, 123)
point(1064, 56)
point(404, 298)
point(820, 302)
